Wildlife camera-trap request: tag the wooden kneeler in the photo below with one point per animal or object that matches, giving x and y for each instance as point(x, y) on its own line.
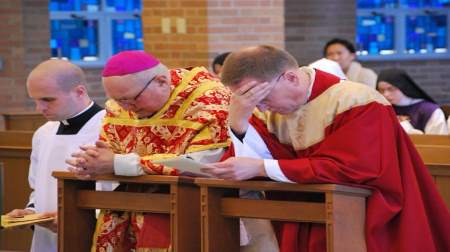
point(77, 201)
point(342, 210)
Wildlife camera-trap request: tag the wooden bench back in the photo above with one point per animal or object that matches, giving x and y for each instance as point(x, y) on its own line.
point(18, 138)
point(15, 150)
point(430, 139)
point(434, 154)
point(21, 121)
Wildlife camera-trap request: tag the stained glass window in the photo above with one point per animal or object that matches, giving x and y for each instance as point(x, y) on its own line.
point(403, 27)
point(424, 3)
point(376, 3)
point(426, 34)
point(127, 35)
point(74, 39)
point(90, 31)
point(74, 5)
point(375, 34)
point(123, 5)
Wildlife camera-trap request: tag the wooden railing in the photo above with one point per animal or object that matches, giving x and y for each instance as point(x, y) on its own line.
point(342, 210)
point(77, 201)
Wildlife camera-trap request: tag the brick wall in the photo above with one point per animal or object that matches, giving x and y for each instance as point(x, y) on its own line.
point(24, 43)
point(212, 27)
point(36, 37)
point(176, 31)
point(239, 23)
point(94, 85)
point(311, 23)
point(181, 33)
point(12, 55)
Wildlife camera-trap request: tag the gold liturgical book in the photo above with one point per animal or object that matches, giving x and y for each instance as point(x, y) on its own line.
point(31, 219)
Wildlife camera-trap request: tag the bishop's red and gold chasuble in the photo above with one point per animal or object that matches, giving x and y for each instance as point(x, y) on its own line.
point(194, 119)
point(348, 134)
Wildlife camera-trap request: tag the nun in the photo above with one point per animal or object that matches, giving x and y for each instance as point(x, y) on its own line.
point(417, 111)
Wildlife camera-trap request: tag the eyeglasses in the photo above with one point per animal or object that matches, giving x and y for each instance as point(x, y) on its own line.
point(279, 77)
point(134, 99)
point(263, 101)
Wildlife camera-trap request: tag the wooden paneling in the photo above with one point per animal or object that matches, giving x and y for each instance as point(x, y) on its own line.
point(15, 150)
point(437, 159)
point(23, 121)
point(77, 200)
point(430, 139)
point(342, 211)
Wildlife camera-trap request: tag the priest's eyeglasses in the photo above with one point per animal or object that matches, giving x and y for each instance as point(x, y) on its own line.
point(135, 98)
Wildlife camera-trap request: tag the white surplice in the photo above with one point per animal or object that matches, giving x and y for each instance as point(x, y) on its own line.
point(49, 152)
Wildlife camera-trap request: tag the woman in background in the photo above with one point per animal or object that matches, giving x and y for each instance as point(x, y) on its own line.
point(344, 53)
point(417, 111)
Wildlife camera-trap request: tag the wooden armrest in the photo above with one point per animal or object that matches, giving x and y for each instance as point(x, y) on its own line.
point(143, 179)
point(279, 186)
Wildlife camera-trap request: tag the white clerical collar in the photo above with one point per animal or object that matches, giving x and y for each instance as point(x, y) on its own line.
point(65, 122)
point(406, 101)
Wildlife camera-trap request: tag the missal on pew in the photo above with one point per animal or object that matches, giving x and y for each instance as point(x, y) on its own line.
point(185, 165)
point(31, 219)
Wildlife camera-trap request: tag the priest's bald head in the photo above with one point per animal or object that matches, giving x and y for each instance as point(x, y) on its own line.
point(58, 88)
point(137, 81)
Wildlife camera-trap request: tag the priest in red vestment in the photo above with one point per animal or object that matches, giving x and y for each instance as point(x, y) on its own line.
point(302, 125)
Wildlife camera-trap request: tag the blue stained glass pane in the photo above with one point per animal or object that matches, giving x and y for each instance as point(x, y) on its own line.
point(424, 3)
point(426, 34)
point(74, 5)
point(127, 35)
point(74, 39)
point(123, 5)
point(375, 34)
point(363, 4)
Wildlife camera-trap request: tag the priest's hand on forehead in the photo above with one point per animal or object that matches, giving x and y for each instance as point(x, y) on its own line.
point(245, 98)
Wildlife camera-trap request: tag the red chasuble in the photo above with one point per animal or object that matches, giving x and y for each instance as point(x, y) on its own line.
point(348, 134)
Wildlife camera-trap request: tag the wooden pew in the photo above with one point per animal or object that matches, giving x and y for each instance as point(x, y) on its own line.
point(430, 139)
point(15, 150)
point(21, 121)
point(342, 210)
point(435, 152)
point(77, 200)
point(437, 159)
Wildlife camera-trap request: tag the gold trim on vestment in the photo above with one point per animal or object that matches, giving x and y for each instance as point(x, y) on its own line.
point(306, 126)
